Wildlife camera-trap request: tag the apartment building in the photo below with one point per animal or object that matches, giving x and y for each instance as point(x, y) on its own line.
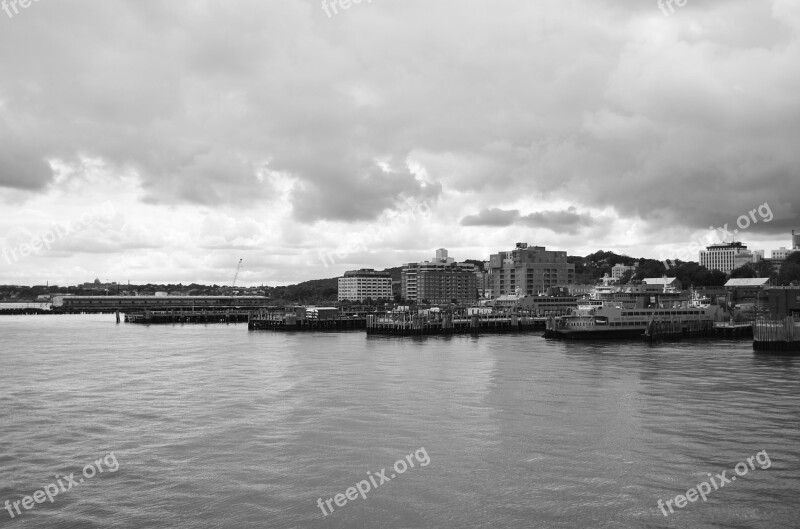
point(529, 270)
point(440, 281)
point(358, 285)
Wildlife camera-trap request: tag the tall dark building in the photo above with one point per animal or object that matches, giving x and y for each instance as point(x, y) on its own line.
point(529, 270)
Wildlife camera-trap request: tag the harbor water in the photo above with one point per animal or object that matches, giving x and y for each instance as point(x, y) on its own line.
point(220, 427)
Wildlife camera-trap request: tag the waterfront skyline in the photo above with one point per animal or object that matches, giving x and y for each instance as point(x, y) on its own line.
point(270, 132)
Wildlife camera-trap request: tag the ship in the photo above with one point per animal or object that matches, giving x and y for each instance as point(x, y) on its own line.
point(636, 312)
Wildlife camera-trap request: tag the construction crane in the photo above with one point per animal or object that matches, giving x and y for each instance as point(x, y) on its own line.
point(236, 275)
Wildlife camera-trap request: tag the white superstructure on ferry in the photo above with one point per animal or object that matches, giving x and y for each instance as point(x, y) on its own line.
point(617, 313)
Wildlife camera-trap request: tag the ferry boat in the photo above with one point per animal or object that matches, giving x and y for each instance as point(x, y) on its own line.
point(638, 313)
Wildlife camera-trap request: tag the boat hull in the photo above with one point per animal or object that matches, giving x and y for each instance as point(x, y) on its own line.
point(593, 334)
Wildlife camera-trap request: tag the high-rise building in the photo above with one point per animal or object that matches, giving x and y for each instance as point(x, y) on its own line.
point(722, 256)
point(441, 256)
point(358, 285)
point(529, 270)
point(439, 281)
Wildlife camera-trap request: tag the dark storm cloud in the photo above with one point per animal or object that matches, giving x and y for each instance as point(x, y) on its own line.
point(669, 123)
point(566, 221)
point(194, 97)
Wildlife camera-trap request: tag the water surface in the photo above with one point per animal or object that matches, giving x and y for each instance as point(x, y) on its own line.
point(216, 426)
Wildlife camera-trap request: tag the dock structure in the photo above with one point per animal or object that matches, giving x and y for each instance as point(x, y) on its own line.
point(777, 335)
point(305, 319)
point(727, 329)
point(68, 304)
point(671, 328)
point(445, 322)
point(149, 317)
point(24, 308)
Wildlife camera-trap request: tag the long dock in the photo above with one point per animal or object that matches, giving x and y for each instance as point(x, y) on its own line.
point(149, 317)
point(27, 310)
point(409, 324)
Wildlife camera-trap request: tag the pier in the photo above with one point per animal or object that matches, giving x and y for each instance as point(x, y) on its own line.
point(305, 319)
point(149, 317)
point(24, 308)
point(731, 329)
point(777, 335)
point(409, 324)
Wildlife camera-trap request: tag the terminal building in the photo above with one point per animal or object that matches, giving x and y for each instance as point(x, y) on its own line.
point(529, 270)
point(82, 304)
point(440, 281)
point(359, 285)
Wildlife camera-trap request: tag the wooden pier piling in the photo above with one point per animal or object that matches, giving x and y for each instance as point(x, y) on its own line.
point(777, 335)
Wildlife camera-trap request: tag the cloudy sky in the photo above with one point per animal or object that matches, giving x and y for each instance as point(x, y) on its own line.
point(163, 141)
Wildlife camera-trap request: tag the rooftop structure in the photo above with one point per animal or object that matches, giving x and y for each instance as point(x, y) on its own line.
point(662, 283)
point(747, 282)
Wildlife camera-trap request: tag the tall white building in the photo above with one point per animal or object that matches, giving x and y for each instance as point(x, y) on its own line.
point(358, 285)
point(723, 257)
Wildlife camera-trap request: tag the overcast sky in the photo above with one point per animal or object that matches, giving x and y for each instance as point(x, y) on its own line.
point(162, 141)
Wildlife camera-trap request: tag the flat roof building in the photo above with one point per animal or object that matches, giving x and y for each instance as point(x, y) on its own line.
point(721, 257)
point(529, 270)
point(360, 285)
point(440, 281)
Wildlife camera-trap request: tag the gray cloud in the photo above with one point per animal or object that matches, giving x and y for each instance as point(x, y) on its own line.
point(492, 217)
point(672, 123)
point(566, 221)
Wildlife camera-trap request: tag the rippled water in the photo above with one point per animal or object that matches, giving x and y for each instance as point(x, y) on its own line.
point(216, 426)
